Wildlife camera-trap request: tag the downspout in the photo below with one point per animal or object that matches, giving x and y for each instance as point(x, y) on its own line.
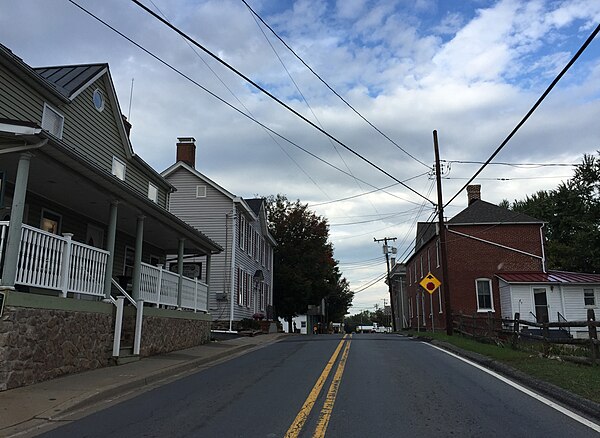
point(543, 251)
point(232, 282)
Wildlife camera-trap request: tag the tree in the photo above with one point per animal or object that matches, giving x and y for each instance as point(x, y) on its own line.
point(305, 271)
point(572, 214)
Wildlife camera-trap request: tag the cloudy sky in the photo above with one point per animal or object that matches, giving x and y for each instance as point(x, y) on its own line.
point(470, 69)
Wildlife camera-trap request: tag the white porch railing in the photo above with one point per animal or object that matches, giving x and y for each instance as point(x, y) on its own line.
point(159, 286)
point(56, 262)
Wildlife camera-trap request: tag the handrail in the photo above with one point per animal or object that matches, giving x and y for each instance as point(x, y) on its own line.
point(125, 294)
point(559, 317)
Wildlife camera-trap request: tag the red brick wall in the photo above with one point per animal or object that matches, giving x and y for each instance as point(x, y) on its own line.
point(469, 259)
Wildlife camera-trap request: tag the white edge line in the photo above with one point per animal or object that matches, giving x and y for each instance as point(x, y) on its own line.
point(529, 392)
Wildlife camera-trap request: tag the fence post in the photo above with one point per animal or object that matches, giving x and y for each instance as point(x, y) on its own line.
point(515, 336)
point(118, 326)
point(66, 264)
point(159, 284)
point(139, 317)
point(591, 318)
point(460, 323)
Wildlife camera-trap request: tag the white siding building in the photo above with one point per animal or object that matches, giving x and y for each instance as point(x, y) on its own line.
point(241, 277)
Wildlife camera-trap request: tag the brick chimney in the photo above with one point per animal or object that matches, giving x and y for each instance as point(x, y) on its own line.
point(186, 150)
point(473, 193)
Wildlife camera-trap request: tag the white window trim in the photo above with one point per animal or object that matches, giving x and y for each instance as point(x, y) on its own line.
point(484, 310)
point(200, 191)
point(59, 114)
point(590, 306)
point(119, 161)
point(150, 187)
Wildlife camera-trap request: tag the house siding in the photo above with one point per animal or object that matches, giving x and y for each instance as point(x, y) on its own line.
point(94, 134)
point(213, 215)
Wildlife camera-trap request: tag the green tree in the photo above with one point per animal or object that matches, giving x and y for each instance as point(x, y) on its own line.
point(305, 271)
point(572, 214)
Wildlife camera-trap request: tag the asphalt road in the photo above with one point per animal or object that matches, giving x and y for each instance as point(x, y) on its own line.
point(374, 386)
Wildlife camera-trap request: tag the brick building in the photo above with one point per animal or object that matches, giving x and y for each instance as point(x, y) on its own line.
point(483, 240)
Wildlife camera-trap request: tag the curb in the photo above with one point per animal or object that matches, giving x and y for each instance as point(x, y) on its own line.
point(115, 390)
point(576, 402)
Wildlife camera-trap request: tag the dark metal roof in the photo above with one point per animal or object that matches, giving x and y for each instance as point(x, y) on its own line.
point(255, 204)
point(69, 79)
point(549, 277)
point(482, 212)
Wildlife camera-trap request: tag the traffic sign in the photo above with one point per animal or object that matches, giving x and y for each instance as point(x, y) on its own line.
point(430, 283)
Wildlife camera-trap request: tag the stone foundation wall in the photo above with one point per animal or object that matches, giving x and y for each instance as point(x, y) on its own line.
point(41, 344)
point(44, 337)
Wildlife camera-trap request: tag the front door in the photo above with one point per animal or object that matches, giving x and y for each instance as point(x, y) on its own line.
point(541, 305)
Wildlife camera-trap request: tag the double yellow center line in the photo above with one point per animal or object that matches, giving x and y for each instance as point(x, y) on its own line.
point(298, 424)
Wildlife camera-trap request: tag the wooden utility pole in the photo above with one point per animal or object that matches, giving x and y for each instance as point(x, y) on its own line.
point(442, 226)
point(387, 262)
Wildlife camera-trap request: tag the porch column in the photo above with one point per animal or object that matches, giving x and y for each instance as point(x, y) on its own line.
point(137, 263)
point(180, 271)
point(11, 256)
point(110, 247)
point(207, 279)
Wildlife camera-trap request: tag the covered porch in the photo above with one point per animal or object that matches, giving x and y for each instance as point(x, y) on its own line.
point(71, 228)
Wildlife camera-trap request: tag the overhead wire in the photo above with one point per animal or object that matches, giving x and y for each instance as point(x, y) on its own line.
point(245, 107)
point(331, 89)
point(587, 42)
point(214, 95)
point(276, 99)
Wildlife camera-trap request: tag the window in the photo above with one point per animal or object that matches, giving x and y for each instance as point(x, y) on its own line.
point(409, 277)
point(200, 191)
point(440, 298)
point(52, 121)
point(428, 261)
point(152, 192)
point(242, 232)
point(98, 100)
point(437, 253)
point(118, 168)
point(421, 258)
point(589, 299)
point(129, 261)
point(50, 221)
point(484, 294)
point(303, 324)
point(239, 286)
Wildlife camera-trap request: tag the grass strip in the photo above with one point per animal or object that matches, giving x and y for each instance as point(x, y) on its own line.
point(583, 380)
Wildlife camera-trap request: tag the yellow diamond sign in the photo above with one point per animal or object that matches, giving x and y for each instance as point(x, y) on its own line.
point(430, 283)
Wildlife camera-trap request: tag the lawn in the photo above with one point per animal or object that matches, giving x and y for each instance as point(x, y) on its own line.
point(583, 380)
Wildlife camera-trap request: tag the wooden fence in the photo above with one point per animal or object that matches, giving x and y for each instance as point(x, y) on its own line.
point(516, 330)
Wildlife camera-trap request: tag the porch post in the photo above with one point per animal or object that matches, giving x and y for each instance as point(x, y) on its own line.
point(137, 264)
point(13, 243)
point(180, 271)
point(110, 247)
point(207, 279)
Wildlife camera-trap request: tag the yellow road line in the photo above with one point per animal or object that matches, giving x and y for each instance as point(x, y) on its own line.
point(298, 423)
point(331, 395)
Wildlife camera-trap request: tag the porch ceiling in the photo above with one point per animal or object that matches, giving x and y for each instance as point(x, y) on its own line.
point(61, 175)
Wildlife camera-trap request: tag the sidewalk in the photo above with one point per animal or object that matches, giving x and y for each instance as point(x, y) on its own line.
point(24, 408)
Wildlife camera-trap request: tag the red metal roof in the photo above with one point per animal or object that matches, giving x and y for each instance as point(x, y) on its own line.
point(549, 277)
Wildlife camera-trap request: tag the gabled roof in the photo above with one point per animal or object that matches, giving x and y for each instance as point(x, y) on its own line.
point(549, 277)
point(70, 80)
point(255, 204)
point(482, 212)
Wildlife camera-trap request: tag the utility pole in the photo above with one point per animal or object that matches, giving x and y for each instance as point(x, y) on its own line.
point(384, 304)
point(445, 280)
point(387, 262)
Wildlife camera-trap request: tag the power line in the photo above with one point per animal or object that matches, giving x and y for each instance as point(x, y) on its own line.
point(331, 89)
point(274, 98)
point(243, 105)
point(512, 179)
point(179, 72)
point(532, 110)
point(518, 165)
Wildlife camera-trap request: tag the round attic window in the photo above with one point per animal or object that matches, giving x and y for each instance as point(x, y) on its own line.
point(98, 99)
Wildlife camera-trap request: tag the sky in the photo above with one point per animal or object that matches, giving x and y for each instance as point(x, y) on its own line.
point(470, 69)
